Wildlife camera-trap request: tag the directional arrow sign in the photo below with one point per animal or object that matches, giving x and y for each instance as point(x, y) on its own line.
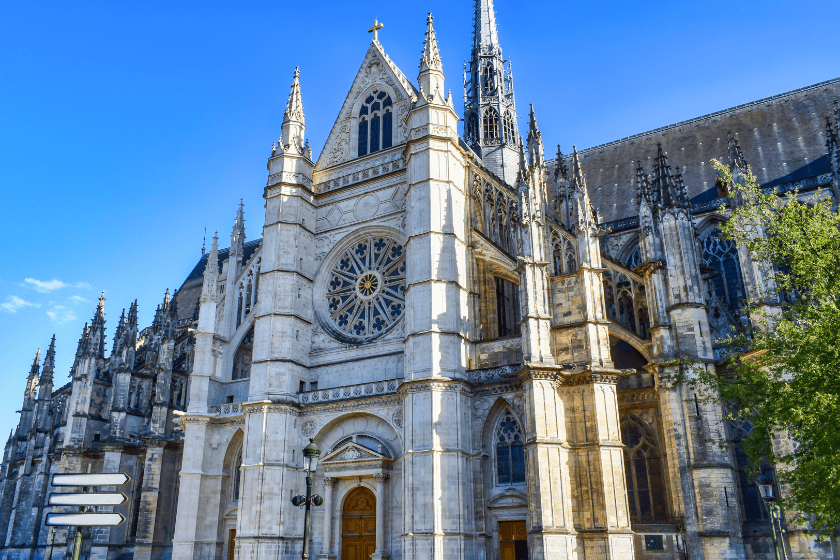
point(99, 479)
point(96, 499)
point(84, 519)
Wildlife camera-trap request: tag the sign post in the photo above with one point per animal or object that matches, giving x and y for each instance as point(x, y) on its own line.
point(84, 500)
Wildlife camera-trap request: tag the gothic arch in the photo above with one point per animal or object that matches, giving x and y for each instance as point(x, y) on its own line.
point(228, 509)
point(242, 356)
point(494, 414)
point(356, 118)
point(359, 423)
point(622, 333)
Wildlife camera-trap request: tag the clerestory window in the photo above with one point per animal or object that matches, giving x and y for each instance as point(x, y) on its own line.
point(508, 128)
point(376, 122)
point(510, 451)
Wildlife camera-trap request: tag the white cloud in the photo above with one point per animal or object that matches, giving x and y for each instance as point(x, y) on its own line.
point(83, 285)
point(13, 303)
point(45, 287)
point(79, 299)
point(60, 315)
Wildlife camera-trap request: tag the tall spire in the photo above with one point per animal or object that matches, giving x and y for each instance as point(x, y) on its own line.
point(49, 364)
point(293, 118)
point(578, 182)
point(485, 36)
point(36, 366)
point(92, 342)
point(490, 126)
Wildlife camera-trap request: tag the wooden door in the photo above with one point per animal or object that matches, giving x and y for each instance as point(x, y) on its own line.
point(513, 540)
point(358, 525)
point(232, 547)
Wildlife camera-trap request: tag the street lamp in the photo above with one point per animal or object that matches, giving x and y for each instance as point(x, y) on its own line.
point(765, 489)
point(310, 461)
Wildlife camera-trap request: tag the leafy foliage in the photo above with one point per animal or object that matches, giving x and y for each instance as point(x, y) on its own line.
point(788, 382)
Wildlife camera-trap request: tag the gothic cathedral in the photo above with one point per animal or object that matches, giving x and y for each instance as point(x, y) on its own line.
point(480, 340)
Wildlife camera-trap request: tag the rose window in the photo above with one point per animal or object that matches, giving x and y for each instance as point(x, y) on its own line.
point(366, 289)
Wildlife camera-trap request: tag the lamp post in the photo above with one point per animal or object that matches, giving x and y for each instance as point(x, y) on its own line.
point(765, 489)
point(310, 461)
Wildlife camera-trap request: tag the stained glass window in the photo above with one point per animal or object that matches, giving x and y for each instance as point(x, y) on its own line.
point(510, 451)
point(376, 122)
point(490, 124)
point(643, 470)
point(722, 255)
point(366, 290)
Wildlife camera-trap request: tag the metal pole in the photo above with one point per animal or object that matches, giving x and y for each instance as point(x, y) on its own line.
point(52, 544)
point(777, 515)
point(769, 510)
point(306, 520)
point(77, 545)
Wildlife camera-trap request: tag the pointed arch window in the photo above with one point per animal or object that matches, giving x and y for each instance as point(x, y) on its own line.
point(643, 470)
point(510, 451)
point(727, 284)
point(488, 80)
point(508, 128)
point(753, 510)
point(376, 123)
point(242, 359)
point(490, 125)
point(472, 129)
point(236, 474)
point(507, 308)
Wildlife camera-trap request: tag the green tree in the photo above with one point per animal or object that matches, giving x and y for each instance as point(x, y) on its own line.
point(786, 377)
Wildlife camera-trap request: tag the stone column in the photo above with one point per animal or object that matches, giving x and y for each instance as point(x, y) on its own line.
point(438, 491)
point(189, 518)
point(380, 553)
point(326, 547)
point(149, 502)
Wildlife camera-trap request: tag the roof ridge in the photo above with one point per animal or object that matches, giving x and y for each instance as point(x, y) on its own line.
point(707, 116)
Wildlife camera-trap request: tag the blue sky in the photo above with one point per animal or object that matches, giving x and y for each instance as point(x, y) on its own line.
point(127, 127)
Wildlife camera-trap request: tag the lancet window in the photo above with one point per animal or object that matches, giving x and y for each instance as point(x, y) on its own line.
point(500, 210)
point(626, 300)
point(507, 308)
point(472, 129)
point(376, 124)
point(236, 474)
point(242, 358)
point(488, 80)
point(510, 451)
point(247, 292)
point(753, 510)
point(728, 284)
point(644, 472)
point(563, 253)
point(490, 124)
point(507, 122)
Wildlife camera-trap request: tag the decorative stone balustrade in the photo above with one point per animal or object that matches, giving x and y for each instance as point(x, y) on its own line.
point(360, 391)
point(227, 409)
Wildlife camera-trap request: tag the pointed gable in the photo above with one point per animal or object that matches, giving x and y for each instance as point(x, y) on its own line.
point(352, 452)
point(376, 69)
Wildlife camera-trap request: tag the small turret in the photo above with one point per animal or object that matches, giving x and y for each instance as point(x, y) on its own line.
point(431, 66)
point(663, 188)
point(210, 287)
point(49, 364)
point(34, 374)
point(536, 152)
point(237, 238)
point(293, 118)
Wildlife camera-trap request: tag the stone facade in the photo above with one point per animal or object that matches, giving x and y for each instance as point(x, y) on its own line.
point(485, 363)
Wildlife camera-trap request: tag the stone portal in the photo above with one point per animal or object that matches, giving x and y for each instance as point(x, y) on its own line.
point(358, 525)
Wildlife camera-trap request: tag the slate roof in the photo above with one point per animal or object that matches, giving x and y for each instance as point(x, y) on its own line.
point(190, 290)
point(782, 138)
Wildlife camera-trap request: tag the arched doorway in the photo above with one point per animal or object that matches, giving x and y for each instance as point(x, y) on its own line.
point(358, 525)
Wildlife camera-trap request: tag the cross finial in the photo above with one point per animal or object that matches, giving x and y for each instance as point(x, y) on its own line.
point(375, 29)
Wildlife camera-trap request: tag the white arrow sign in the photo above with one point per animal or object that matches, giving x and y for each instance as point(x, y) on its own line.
point(84, 519)
point(98, 479)
point(95, 499)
